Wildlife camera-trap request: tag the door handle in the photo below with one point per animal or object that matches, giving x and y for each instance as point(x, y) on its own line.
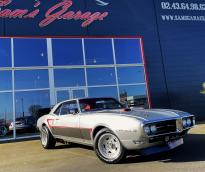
point(57, 119)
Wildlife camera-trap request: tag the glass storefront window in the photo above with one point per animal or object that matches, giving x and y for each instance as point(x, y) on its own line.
point(5, 80)
point(5, 52)
point(78, 93)
point(6, 115)
point(103, 92)
point(67, 52)
point(62, 95)
point(73, 93)
point(98, 51)
point(28, 105)
point(34, 79)
point(128, 51)
point(69, 77)
point(101, 76)
point(131, 75)
point(31, 79)
point(135, 95)
point(30, 52)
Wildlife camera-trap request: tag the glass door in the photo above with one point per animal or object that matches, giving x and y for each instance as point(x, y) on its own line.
point(70, 93)
point(62, 95)
point(78, 93)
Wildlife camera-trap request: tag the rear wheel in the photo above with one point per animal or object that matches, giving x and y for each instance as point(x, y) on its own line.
point(47, 140)
point(108, 147)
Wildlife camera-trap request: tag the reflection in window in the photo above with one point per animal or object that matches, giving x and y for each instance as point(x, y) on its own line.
point(62, 95)
point(6, 115)
point(67, 52)
point(69, 77)
point(98, 51)
point(130, 75)
point(5, 52)
point(5, 80)
point(135, 95)
point(101, 76)
point(69, 108)
point(30, 52)
point(128, 51)
point(31, 79)
point(103, 92)
point(28, 104)
point(78, 94)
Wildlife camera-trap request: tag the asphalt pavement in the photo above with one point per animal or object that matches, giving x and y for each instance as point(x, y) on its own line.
point(29, 156)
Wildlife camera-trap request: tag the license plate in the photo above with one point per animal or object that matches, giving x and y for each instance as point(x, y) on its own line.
point(175, 143)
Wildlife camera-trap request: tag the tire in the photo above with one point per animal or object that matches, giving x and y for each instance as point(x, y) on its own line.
point(47, 140)
point(108, 147)
point(3, 131)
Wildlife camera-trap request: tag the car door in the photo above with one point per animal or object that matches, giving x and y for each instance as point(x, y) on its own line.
point(66, 122)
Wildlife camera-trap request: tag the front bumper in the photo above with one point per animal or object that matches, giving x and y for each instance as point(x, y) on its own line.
point(149, 142)
point(167, 137)
point(162, 148)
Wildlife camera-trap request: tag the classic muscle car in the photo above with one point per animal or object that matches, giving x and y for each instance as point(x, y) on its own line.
point(112, 129)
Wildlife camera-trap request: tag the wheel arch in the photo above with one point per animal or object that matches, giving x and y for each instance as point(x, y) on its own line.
point(98, 128)
point(46, 125)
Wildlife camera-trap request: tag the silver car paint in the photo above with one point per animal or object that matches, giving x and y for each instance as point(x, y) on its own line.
point(128, 126)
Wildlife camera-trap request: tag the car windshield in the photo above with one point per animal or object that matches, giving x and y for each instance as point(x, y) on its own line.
point(94, 104)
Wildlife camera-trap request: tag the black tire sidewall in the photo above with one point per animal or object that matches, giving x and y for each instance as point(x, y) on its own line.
point(100, 156)
point(50, 139)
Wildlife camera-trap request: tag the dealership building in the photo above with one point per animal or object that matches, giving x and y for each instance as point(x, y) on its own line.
point(144, 53)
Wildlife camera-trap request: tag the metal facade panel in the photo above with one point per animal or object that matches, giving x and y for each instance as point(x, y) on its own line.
point(28, 26)
point(183, 39)
point(174, 49)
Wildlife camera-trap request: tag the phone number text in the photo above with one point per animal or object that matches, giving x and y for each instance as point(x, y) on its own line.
point(182, 6)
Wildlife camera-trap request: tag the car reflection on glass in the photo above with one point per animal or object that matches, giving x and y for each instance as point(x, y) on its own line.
point(3, 128)
point(24, 124)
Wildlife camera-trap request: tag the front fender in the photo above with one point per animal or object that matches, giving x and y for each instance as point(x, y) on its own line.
point(44, 120)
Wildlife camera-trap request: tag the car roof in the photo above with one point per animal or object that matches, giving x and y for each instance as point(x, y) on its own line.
point(77, 99)
point(84, 98)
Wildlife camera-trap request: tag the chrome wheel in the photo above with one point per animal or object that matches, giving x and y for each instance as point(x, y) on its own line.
point(44, 136)
point(109, 146)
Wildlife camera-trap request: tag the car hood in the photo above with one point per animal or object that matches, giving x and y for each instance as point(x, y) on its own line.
point(148, 115)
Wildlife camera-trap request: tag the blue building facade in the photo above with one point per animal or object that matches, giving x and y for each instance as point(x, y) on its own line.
point(172, 33)
point(37, 73)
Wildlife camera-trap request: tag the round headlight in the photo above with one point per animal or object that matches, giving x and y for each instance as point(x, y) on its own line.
point(188, 121)
point(147, 130)
point(153, 129)
point(184, 123)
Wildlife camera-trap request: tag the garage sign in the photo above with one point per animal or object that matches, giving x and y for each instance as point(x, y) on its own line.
point(59, 11)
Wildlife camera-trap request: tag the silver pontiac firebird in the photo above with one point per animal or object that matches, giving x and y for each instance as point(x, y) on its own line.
point(112, 129)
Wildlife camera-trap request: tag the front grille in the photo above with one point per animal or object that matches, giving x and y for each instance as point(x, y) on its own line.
point(166, 126)
point(173, 136)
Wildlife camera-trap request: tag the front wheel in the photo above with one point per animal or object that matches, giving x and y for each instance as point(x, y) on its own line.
point(47, 140)
point(108, 147)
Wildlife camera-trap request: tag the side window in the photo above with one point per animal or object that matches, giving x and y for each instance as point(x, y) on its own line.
point(73, 107)
point(57, 111)
point(67, 108)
